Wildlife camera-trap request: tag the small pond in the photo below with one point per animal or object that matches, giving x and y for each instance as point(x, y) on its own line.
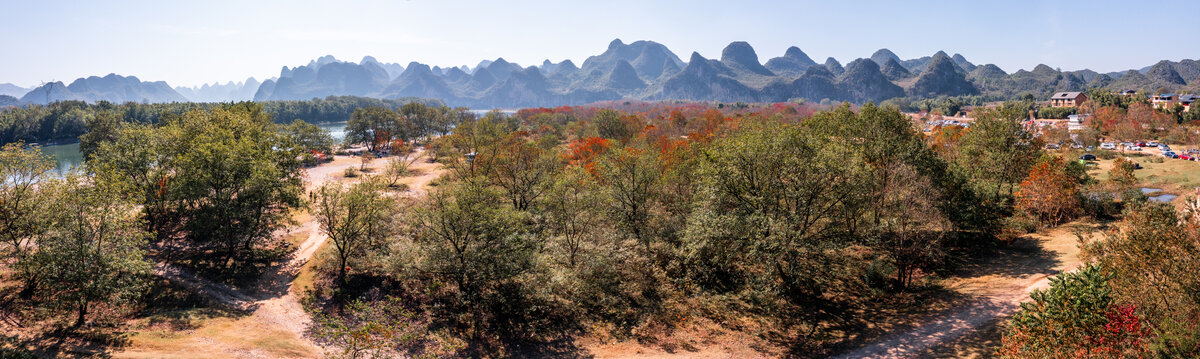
point(1159, 197)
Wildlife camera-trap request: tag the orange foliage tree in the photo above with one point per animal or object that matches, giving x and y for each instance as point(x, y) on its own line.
point(1049, 192)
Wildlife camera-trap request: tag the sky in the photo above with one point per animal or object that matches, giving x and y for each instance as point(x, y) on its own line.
point(189, 43)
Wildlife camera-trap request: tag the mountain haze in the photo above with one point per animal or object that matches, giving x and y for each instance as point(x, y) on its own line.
point(643, 70)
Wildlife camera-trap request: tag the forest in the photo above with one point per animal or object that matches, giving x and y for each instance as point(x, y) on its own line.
point(789, 222)
point(67, 120)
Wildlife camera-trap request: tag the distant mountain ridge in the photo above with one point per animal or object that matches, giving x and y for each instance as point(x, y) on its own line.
point(644, 70)
point(112, 88)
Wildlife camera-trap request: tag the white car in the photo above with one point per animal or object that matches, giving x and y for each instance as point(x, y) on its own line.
point(1108, 146)
point(1133, 148)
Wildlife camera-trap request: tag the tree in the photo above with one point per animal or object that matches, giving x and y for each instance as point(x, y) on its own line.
point(1122, 172)
point(613, 125)
point(104, 127)
point(471, 240)
point(364, 160)
point(23, 208)
point(354, 218)
point(223, 179)
point(308, 138)
point(397, 168)
point(521, 169)
point(1151, 258)
point(94, 250)
point(373, 126)
point(628, 177)
point(772, 204)
point(1049, 192)
point(571, 212)
point(912, 226)
point(996, 153)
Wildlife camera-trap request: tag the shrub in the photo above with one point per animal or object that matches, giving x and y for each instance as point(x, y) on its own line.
point(1077, 318)
point(350, 172)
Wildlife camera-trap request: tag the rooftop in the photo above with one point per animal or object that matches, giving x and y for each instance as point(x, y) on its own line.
point(1065, 95)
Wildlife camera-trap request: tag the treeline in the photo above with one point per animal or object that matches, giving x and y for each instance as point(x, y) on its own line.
point(581, 220)
point(67, 120)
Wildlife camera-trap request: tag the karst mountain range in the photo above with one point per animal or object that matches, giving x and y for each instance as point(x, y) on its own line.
point(641, 70)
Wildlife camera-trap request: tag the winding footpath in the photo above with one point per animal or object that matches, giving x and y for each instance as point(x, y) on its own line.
point(997, 288)
point(271, 300)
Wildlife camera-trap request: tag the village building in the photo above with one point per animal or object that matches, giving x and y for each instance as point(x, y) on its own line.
point(1186, 101)
point(1163, 100)
point(1067, 99)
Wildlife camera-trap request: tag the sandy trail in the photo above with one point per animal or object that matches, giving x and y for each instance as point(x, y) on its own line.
point(997, 286)
point(271, 301)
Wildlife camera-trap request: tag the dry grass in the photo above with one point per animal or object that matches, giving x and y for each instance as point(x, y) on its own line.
point(202, 333)
point(1173, 175)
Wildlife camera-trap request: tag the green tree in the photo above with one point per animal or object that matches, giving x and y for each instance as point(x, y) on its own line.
point(309, 137)
point(996, 153)
point(232, 177)
point(224, 179)
point(571, 207)
point(771, 218)
point(104, 127)
point(373, 126)
point(94, 250)
point(355, 218)
point(23, 207)
point(471, 239)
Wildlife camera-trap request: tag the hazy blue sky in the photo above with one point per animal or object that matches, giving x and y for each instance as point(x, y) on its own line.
point(206, 41)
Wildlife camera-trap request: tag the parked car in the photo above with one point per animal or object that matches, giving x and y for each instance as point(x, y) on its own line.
point(1126, 144)
point(1151, 144)
point(1052, 146)
point(1164, 148)
point(1133, 148)
point(1186, 157)
point(1193, 151)
point(1088, 157)
point(1108, 146)
point(1141, 144)
point(1170, 154)
point(1076, 145)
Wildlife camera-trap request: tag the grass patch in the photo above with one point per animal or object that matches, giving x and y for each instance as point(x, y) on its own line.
point(307, 276)
point(213, 335)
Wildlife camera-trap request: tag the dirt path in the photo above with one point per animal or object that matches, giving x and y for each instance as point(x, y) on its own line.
point(271, 301)
point(997, 286)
